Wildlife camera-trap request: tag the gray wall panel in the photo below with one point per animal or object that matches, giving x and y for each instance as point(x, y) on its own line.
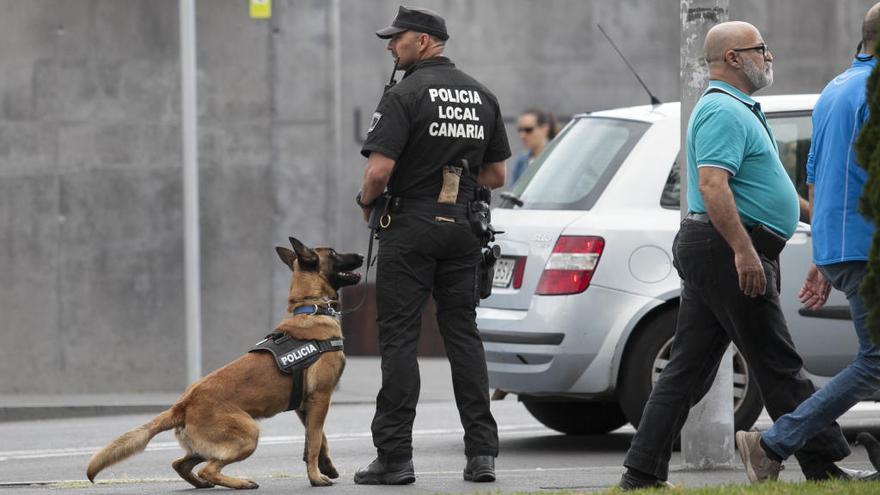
point(812, 41)
point(237, 261)
point(119, 281)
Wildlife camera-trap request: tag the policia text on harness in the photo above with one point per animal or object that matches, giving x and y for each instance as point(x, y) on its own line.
point(294, 356)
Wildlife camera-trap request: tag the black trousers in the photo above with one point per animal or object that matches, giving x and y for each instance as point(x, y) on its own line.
point(420, 256)
point(713, 313)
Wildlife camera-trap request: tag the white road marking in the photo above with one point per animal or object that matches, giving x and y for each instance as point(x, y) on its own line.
point(514, 471)
point(264, 440)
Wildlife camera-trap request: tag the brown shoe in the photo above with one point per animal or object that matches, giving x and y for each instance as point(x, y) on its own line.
point(759, 467)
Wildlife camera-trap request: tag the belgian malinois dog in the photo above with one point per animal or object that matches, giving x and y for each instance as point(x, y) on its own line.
point(215, 418)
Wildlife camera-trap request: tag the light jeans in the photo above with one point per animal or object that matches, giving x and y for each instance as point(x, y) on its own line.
point(854, 383)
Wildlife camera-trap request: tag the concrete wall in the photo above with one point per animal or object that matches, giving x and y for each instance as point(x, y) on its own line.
point(91, 240)
point(812, 40)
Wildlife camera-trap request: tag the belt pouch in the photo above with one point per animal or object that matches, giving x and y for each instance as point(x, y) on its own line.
point(451, 179)
point(767, 242)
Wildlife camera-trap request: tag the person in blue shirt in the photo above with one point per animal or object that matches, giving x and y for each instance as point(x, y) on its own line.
point(536, 128)
point(738, 191)
point(841, 240)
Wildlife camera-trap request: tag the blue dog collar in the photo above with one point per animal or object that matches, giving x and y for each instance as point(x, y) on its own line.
point(314, 309)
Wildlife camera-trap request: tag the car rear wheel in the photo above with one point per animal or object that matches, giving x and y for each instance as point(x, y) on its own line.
point(647, 356)
point(575, 418)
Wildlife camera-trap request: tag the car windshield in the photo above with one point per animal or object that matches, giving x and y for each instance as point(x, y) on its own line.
point(577, 165)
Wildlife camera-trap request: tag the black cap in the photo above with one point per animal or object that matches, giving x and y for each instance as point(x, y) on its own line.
point(415, 19)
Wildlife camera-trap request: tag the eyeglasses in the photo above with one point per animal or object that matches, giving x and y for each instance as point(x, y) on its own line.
point(764, 49)
point(527, 130)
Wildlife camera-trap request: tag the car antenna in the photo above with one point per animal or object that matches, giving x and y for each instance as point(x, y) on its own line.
point(654, 100)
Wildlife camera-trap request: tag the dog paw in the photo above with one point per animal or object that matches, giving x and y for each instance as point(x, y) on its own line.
point(321, 480)
point(327, 468)
point(249, 485)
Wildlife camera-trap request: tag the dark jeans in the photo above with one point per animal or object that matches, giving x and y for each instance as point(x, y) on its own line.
point(419, 256)
point(714, 312)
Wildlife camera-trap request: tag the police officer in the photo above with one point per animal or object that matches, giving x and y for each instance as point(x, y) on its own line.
point(433, 140)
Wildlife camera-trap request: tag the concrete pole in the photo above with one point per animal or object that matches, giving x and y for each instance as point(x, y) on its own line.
point(707, 436)
point(189, 128)
point(337, 191)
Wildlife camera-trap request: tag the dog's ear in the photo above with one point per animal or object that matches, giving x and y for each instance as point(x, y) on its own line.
point(286, 255)
point(307, 257)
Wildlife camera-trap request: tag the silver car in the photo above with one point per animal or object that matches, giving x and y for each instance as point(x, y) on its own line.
point(585, 301)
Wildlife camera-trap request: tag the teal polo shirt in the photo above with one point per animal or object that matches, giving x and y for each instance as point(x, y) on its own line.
point(724, 132)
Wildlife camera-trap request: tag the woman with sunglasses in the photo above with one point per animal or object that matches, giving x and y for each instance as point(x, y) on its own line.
point(535, 128)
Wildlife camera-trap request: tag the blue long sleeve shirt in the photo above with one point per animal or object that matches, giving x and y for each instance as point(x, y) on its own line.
point(840, 232)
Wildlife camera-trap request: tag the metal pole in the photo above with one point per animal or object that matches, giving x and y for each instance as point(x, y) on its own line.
point(707, 436)
point(336, 27)
point(189, 127)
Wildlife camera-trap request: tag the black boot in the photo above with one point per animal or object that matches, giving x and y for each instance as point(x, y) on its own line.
point(380, 472)
point(480, 469)
point(632, 480)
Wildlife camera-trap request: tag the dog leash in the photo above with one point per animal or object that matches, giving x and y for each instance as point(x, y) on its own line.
point(370, 262)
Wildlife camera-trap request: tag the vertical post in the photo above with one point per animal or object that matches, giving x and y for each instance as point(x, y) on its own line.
point(336, 27)
point(189, 128)
point(707, 436)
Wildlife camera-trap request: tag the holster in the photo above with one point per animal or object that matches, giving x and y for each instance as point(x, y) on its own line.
point(487, 269)
point(766, 241)
point(480, 217)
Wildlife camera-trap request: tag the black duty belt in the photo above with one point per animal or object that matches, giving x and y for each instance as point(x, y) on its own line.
point(429, 207)
point(294, 356)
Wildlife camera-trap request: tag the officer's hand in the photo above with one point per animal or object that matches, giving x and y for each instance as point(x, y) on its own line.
point(752, 279)
point(815, 290)
point(366, 211)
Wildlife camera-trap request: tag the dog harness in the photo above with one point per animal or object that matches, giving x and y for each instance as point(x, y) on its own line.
point(294, 356)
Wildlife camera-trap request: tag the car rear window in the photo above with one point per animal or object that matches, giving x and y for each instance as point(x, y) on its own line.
point(576, 166)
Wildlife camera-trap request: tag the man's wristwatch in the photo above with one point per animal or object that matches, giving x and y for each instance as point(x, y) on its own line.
point(357, 200)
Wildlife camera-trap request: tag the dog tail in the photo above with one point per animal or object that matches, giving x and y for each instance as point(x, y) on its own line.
point(132, 442)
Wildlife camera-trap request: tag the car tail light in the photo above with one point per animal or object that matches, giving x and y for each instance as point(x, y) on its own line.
point(519, 269)
point(571, 265)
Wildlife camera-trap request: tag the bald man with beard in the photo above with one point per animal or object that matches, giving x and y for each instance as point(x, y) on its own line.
point(742, 209)
point(841, 242)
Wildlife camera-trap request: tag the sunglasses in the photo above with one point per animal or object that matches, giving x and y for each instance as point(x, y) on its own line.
point(763, 48)
point(527, 130)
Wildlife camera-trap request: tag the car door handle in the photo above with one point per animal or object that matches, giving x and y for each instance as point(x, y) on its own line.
point(833, 312)
point(804, 228)
point(802, 233)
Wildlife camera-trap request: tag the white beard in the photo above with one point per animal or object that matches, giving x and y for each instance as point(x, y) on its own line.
point(759, 79)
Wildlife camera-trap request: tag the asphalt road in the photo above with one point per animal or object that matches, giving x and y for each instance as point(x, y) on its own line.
point(39, 456)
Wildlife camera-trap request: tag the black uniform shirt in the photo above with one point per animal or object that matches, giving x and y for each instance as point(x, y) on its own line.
point(436, 116)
